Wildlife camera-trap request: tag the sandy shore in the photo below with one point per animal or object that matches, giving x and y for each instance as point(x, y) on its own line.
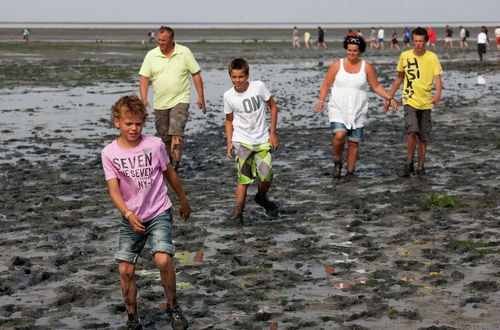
point(375, 252)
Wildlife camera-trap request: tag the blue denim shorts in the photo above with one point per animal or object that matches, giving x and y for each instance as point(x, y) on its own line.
point(355, 135)
point(158, 233)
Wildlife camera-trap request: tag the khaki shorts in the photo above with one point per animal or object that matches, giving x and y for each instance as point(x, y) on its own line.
point(418, 121)
point(172, 121)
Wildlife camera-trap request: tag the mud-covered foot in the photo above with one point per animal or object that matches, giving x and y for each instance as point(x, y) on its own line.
point(236, 219)
point(407, 170)
point(133, 325)
point(337, 169)
point(271, 208)
point(420, 171)
point(177, 320)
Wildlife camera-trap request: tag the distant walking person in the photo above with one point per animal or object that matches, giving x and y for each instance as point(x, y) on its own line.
point(380, 38)
point(321, 38)
point(432, 38)
point(482, 42)
point(407, 37)
point(448, 37)
point(295, 38)
point(497, 37)
point(394, 40)
point(169, 66)
point(307, 40)
point(420, 69)
point(373, 38)
point(26, 34)
point(464, 34)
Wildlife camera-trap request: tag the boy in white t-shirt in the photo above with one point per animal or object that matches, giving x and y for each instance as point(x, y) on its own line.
point(247, 133)
point(135, 167)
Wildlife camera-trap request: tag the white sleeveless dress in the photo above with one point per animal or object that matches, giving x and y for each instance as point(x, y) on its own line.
point(348, 102)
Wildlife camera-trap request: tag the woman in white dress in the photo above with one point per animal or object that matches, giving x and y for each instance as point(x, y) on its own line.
point(348, 104)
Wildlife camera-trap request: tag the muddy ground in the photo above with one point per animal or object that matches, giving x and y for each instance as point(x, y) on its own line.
point(374, 252)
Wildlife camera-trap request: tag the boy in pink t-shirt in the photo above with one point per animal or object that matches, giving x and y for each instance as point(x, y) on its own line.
point(135, 166)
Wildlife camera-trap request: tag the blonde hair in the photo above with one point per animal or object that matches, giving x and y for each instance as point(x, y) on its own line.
point(129, 104)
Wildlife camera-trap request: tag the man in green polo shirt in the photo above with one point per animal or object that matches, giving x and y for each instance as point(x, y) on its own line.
point(169, 66)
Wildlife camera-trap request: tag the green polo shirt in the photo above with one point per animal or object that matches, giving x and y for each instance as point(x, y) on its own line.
point(169, 75)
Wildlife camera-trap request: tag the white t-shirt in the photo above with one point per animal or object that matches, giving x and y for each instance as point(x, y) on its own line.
point(249, 113)
point(380, 34)
point(481, 38)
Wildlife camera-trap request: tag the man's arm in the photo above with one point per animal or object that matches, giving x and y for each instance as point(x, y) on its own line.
point(439, 87)
point(229, 134)
point(172, 178)
point(117, 198)
point(395, 85)
point(143, 89)
point(198, 84)
point(273, 136)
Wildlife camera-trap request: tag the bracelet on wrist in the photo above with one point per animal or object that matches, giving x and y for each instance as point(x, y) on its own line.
point(128, 214)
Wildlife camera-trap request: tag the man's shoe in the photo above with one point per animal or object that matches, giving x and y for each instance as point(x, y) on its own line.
point(177, 319)
point(271, 208)
point(407, 170)
point(420, 171)
point(337, 169)
point(133, 325)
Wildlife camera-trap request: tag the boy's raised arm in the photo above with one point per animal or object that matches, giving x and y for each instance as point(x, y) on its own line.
point(172, 178)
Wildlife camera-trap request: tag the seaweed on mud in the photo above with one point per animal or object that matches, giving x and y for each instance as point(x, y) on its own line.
point(441, 200)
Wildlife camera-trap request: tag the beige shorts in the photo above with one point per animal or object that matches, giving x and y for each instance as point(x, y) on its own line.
point(172, 121)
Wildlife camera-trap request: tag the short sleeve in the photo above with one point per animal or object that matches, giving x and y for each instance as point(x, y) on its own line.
point(437, 67)
point(400, 64)
point(265, 94)
point(227, 105)
point(164, 159)
point(192, 65)
point(145, 70)
point(107, 166)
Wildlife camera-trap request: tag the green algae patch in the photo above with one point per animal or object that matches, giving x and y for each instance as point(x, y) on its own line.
point(441, 200)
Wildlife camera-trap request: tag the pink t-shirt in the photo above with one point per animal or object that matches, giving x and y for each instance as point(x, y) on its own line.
point(140, 175)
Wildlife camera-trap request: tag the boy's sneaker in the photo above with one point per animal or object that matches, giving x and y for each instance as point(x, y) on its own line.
point(133, 325)
point(237, 219)
point(337, 169)
point(177, 320)
point(408, 169)
point(271, 208)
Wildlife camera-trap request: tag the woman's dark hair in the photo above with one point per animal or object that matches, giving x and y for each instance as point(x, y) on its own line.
point(355, 41)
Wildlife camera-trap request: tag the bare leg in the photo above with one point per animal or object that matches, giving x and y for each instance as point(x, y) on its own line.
point(411, 143)
point(165, 265)
point(241, 196)
point(263, 188)
point(352, 155)
point(422, 149)
point(176, 149)
point(129, 288)
point(338, 145)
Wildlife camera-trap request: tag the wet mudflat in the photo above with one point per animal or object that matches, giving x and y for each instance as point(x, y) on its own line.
point(374, 252)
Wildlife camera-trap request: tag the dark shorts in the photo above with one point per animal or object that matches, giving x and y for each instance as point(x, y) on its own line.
point(418, 121)
point(481, 48)
point(172, 121)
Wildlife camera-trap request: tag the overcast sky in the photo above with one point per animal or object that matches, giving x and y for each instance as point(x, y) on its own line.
point(252, 11)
